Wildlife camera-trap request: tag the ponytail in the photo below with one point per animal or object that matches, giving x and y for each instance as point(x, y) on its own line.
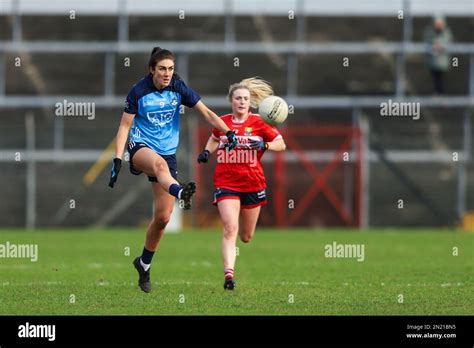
point(158, 54)
point(259, 89)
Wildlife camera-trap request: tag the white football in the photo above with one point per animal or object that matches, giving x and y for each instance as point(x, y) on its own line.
point(273, 110)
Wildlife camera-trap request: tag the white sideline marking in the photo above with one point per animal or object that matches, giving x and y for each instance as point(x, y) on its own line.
point(409, 284)
point(44, 283)
point(449, 284)
point(202, 263)
point(95, 265)
point(110, 265)
point(175, 283)
point(30, 283)
point(291, 283)
point(184, 283)
point(15, 266)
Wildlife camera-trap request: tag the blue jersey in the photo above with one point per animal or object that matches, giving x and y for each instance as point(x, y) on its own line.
point(156, 121)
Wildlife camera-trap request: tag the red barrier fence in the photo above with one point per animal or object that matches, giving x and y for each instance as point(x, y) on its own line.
point(317, 181)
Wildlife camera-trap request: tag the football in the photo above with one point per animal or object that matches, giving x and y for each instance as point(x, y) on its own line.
point(273, 110)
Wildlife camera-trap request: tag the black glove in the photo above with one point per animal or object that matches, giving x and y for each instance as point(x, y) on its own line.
point(257, 144)
point(232, 140)
point(116, 165)
point(204, 156)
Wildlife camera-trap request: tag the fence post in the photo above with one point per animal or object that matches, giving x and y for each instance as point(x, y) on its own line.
point(364, 126)
point(461, 203)
point(30, 171)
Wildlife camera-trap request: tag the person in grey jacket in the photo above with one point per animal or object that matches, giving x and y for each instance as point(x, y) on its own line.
point(437, 37)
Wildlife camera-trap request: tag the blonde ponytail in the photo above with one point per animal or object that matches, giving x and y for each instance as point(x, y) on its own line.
point(259, 89)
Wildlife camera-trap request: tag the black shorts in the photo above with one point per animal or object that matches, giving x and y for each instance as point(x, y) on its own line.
point(133, 147)
point(248, 200)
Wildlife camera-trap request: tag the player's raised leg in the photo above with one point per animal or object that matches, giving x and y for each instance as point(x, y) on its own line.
point(163, 207)
point(152, 164)
point(247, 223)
point(229, 210)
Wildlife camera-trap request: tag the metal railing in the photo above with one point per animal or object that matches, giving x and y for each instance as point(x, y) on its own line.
point(229, 8)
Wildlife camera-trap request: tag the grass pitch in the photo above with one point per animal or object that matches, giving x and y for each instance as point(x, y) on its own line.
point(89, 272)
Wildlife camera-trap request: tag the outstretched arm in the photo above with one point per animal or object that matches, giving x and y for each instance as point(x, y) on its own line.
point(216, 121)
point(122, 134)
point(120, 140)
point(211, 117)
point(277, 145)
point(211, 146)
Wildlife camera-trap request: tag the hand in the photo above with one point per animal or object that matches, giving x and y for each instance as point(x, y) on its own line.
point(257, 144)
point(116, 165)
point(204, 156)
point(232, 140)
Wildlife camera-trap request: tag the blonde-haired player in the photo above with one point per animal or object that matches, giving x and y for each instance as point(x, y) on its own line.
point(239, 179)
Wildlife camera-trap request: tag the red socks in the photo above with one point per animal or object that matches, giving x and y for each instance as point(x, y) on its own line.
point(229, 273)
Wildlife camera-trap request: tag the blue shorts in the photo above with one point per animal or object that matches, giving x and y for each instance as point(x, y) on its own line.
point(133, 147)
point(248, 200)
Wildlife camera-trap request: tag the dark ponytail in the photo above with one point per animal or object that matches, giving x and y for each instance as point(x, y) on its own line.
point(158, 54)
point(156, 49)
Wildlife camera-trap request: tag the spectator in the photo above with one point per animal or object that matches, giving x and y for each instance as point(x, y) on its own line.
point(437, 37)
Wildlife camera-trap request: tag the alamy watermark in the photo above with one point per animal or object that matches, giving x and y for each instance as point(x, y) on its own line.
point(66, 108)
point(336, 250)
point(246, 151)
point(27, 251)
point(37, 331)
point(395, 108)
point(247, 156)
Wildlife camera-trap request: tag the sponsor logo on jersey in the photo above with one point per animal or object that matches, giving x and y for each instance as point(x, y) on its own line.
point(160, 118)
point(153, 102)
point(243, 142)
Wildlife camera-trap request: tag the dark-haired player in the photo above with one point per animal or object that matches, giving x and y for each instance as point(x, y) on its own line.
point(150, 122)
